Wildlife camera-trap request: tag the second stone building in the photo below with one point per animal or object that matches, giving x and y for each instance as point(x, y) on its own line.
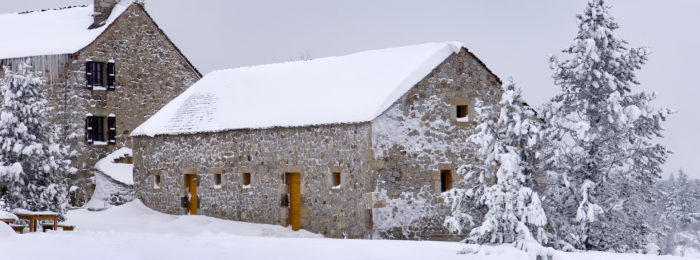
point(355, 146)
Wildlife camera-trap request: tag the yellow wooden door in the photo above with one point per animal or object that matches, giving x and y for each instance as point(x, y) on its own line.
point(192, 186)
point(295, 200)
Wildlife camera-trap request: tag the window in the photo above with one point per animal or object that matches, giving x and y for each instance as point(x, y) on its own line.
point(445, 180)
point(217, 180)
point(336, 179)
point(95, 129)
point(156, 181)
point(100, 75)
point(245, 179)
point(462, 111)
point(461, 108)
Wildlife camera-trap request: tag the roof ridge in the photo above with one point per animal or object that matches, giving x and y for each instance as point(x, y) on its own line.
point(51, 9)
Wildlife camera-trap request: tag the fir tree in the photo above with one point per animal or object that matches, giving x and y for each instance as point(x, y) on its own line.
point(32, 164)
point(504, 179)
point(602, 140)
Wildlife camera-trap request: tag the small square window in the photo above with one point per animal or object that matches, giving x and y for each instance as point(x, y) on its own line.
point(445, 180)
point(217, 180)
point(462, 111)
point(156, 181)
point(245, 179)
point(336, 179)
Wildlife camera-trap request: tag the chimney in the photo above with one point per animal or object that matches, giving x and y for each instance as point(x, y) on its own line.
point(103, 8)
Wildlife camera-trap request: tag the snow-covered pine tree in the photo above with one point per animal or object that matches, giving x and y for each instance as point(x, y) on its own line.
point(33, 166)
point(602, 135)
point(679, 211)
point(504, 179)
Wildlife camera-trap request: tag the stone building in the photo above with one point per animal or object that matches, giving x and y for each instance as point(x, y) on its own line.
point(109, 67)
point(355, 146)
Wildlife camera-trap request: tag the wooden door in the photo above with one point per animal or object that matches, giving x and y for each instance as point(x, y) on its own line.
point(295, 200)
point(191, 180)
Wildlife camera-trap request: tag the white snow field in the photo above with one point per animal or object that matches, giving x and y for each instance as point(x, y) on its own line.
point(132, 231)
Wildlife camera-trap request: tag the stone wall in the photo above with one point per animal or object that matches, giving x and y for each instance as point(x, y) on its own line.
point(419, 136)
point(267, 154)
point(150, 72)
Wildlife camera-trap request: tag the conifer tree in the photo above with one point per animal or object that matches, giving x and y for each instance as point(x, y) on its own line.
point(602, 140)
point(33, 165)
point(504, 179)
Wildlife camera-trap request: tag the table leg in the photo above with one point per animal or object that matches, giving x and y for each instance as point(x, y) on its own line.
point(55, 223)
point(31, 224)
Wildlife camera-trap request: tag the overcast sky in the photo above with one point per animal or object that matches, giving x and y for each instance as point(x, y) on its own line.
point(514, 38)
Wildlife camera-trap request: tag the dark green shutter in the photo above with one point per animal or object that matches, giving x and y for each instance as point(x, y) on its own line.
point(111, 75)
point(112, 129)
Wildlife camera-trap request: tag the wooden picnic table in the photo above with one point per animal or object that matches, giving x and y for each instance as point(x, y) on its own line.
point(34, 217)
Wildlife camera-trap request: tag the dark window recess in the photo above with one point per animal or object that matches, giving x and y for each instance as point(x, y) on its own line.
point(111, 75)
point(98, 128)
point(445, 180)
point(95, 74)
point(336, 179)
point(246, 178)
point(217, 179)
point(111, 129)
point(461, 111)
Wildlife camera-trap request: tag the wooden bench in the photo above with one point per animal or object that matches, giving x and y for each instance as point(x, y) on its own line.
point(18, 228)
point(45, 226)
point(66, 227)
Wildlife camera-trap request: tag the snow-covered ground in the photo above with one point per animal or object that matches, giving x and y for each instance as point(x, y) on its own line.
point(132, 231)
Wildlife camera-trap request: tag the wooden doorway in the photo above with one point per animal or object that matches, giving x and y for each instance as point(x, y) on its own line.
point(294, 182)
point(191, 186)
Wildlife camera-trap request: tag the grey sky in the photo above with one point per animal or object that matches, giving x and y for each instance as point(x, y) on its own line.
point(513, 38)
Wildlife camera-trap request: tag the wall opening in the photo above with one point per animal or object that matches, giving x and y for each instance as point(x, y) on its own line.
point(245, 179)
point(462, 111)
point(217, 180)
point(156, 181)
point(445, 180)
point(336, 179)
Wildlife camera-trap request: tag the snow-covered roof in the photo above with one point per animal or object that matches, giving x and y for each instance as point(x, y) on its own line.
point(51, 32)
point(347, 89)
point(8, 215)
point(121, 172)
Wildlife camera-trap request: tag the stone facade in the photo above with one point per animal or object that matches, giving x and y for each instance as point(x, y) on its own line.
point(420, 136)
point(150, 71)
point(389, 167)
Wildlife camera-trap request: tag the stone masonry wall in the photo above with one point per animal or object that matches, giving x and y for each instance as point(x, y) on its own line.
point(150, 72)
point(418, 137)
point(267, 154)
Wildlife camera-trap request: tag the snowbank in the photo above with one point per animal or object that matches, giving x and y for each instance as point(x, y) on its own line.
point(132, 231)
point(121, 172)
point(136, 217)
point(346, 89)
point(58, 31)
point(6, 232)
point(7, 215)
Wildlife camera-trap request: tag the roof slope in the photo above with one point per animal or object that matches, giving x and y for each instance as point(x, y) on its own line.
point(346, 89)
point(50, 32)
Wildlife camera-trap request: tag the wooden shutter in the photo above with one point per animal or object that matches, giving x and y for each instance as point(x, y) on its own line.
point(112, 129)
point(111, 75)
point(89, 138)
point(88, 74)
